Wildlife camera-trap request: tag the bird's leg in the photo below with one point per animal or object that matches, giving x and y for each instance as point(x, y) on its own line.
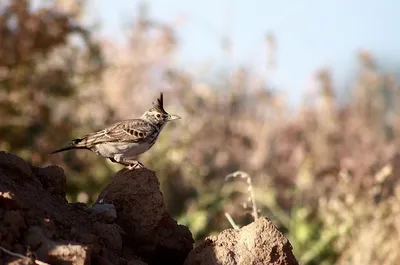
point(135, 164)
point(131, 163)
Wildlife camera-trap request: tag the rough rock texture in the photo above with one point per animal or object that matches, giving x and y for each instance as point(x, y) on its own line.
point(36, 218)
point(128, 225)
point(257, 243)
point(141, 213)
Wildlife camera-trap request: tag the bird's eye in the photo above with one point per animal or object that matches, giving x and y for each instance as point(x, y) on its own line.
point(158, 115)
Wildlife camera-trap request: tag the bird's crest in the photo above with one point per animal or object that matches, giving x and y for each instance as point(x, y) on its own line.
point(159, 105)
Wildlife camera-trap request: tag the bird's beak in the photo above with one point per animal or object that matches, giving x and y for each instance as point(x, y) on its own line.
point(173, 117)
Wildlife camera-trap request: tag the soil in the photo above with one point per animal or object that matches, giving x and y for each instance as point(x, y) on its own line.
point(128, 225)
point(257, 243)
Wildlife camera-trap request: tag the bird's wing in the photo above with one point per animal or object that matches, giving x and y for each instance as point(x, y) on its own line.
point(132, 131)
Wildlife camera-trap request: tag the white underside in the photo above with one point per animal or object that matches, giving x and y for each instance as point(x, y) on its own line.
point(121, 150)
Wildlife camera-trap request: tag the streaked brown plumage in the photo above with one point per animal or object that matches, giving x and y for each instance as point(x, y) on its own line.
point(123, 141)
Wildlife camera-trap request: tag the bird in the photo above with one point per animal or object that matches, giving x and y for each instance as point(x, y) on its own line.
point(123, 141)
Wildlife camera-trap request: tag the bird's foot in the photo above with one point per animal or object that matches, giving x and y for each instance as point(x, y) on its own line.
point(135, 165)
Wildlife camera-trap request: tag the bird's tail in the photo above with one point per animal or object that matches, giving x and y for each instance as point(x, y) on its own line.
point(72, 145)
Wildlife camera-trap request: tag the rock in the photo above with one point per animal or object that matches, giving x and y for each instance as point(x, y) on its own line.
point(9, 201)
point(56, 252)
point(104, 212)
point(141, 213)
point(129, 224)
point(15, 164)
point(69, 254)
point(14, 219)
point(257, 243)
point(22, 261)
point(111, 235)
point(53, 179)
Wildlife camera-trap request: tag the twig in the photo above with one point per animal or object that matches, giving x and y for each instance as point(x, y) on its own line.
point(244, 175)
point(233, 224)
point(22, 256)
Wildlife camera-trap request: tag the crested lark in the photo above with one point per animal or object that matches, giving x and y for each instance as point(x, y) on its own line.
point(123, 141)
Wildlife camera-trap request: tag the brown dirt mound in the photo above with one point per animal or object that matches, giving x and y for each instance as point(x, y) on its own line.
point(134, 229)
point(257, 243)
point(128, 224)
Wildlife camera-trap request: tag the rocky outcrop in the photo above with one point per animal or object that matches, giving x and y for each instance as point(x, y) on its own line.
point(128, 225)
point(148, 228)
point(257, 243)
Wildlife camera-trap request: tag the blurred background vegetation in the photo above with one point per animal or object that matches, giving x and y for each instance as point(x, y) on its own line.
point(327, 173)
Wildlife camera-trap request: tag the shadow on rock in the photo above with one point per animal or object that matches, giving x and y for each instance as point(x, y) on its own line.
point(129, 226)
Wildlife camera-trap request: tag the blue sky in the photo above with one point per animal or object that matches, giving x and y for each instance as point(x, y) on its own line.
point(310, 33)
